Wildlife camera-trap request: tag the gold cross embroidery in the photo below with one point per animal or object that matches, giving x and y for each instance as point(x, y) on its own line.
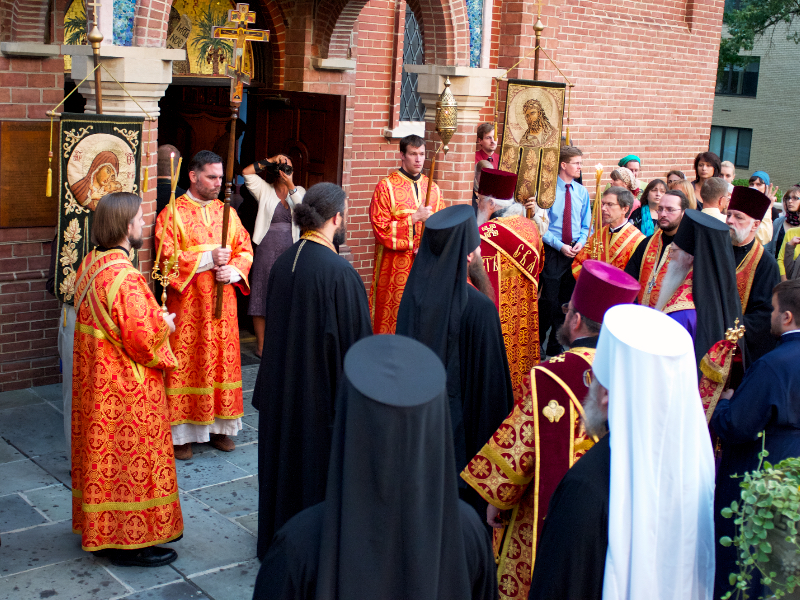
point(491, 230)
point(241, 36)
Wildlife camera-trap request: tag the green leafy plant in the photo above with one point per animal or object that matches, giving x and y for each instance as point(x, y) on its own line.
point(209, 48)
point(766, 518)
point(75, 26)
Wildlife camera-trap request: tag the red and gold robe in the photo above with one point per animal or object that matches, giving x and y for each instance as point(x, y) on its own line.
point(124, 488)
point(617, 247)
point(652, 271)
point(395, 199)
point(207, 384)
point(746, 272)
point(682, 298)
point(523, 463)
point(512, 255)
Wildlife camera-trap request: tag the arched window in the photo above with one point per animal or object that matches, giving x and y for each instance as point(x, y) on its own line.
point(411, 107)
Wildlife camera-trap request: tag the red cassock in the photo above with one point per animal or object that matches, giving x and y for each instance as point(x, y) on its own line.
point(124, 488)
point(395, 199)
point(512, 255)
point(207, 384)
point(524, 461)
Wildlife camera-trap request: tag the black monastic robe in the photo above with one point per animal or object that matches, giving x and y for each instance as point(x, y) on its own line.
point(316, 309)
point(291, 567)
point(571, 556)
point(768, 399)
point(757, 338)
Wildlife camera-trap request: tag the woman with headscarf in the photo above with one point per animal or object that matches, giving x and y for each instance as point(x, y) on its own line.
point(650, 197)
point(100, 180)
point(624, 178)
point(706, 166)
point(759, 180)
point(634, 164)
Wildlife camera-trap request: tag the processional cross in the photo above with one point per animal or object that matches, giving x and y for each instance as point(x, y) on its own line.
point(240, 17)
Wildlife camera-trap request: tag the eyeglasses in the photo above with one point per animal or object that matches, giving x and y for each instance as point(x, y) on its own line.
point(565, 308)
point(609, 204)
point(669, 211)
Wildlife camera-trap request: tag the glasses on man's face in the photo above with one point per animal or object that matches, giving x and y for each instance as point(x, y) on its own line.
point(609, 204)
point(565, 308)
point(667, 210)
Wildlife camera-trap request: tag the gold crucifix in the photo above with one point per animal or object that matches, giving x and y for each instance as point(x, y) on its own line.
point(240, 17)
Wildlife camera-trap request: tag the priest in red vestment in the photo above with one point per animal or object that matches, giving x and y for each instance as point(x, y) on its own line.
point(511, 248)
point(616, 242)
point(124, 488)
point(520, 466)
point(397, 211)
point(205, 390)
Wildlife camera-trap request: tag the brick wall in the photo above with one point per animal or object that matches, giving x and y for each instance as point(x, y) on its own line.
point(28, 314)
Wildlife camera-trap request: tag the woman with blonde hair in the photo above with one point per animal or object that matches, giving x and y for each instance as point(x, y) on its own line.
point(687, 187)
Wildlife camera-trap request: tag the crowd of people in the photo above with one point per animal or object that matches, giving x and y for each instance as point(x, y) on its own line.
point(538, 420)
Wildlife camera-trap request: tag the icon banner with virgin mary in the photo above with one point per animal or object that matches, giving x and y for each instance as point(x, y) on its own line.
point(99, 154)
point(532, 138)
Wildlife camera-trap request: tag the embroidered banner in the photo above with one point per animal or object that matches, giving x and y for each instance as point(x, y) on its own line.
point(532, 138)
point(98, 155)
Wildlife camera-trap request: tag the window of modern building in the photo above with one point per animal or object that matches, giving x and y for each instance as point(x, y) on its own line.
point(731, 143)
point(411, 106)
point(733, 80)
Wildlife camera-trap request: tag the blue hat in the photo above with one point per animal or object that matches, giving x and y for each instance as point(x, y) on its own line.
point(762, 175)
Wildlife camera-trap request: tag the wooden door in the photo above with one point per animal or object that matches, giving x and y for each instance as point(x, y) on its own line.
point(307, 127)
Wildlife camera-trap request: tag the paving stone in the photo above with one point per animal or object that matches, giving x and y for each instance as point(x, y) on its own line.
point(51, 393)
point(23, 475)
point(54, 501)
point(205, 469)
point(8, 453)
point(39, 547)
point(15, 513)
point(245, 457)
point(250, 522)
point(57, 464)
point(249, 374)
point(67, 580)
point(35, 429)
point(251, 420)
point(232, 499)
point(209, 540)
point(235, 583)
point(174, 591)
point(141, 578)
point(246, 436)
point(17, 398)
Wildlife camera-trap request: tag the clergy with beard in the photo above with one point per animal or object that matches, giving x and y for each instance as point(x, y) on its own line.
point(648, 263)
point(316, 309)
point(757, 271)
point(699, 288)
point(443, 308)
point(512, 253)
point(391, 525)
point(617, 528)
point(766, 400)
point(517, 470)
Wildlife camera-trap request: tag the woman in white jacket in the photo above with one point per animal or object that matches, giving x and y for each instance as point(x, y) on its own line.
point(275, 230)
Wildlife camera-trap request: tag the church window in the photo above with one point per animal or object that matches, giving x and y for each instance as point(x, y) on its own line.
point(411, 106)
point(731, 143)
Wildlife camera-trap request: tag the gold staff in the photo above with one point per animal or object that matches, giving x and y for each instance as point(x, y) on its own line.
point(446, 126)
point(170, 270)
point(597, 216)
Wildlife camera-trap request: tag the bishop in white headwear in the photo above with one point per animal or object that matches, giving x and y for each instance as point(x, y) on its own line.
point(638, 507)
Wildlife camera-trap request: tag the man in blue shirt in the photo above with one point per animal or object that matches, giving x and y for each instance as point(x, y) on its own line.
point(570, 219)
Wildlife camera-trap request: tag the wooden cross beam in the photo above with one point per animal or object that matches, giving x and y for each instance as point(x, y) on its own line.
point(241, 36)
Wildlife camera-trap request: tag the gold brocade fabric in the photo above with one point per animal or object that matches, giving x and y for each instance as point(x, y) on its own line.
point(124, 488)
point(396, 243)
point(617, 248)
point(207, 384)
point(511, 249)
point(746, 272)
point(520, 467)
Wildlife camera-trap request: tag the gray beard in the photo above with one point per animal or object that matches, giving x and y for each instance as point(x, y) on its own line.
point(595, 417)
point(737, 236)
point(673, 279)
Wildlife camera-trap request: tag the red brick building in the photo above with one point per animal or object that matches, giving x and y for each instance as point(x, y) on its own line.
point(643, 75)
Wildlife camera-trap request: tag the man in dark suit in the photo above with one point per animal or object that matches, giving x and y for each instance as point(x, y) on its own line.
point(767, 400)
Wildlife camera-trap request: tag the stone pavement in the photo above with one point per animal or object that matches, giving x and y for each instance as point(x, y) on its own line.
point(40, 557)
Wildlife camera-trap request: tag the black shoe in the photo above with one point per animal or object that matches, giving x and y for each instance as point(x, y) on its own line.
point(152, 556)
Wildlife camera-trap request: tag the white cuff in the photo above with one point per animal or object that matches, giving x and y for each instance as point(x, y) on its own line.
point(206, 262)
point(234, 276)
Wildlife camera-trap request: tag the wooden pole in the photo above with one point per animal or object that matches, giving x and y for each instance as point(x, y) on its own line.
point(95, 38)
point(538, 28)
point(226, 215)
